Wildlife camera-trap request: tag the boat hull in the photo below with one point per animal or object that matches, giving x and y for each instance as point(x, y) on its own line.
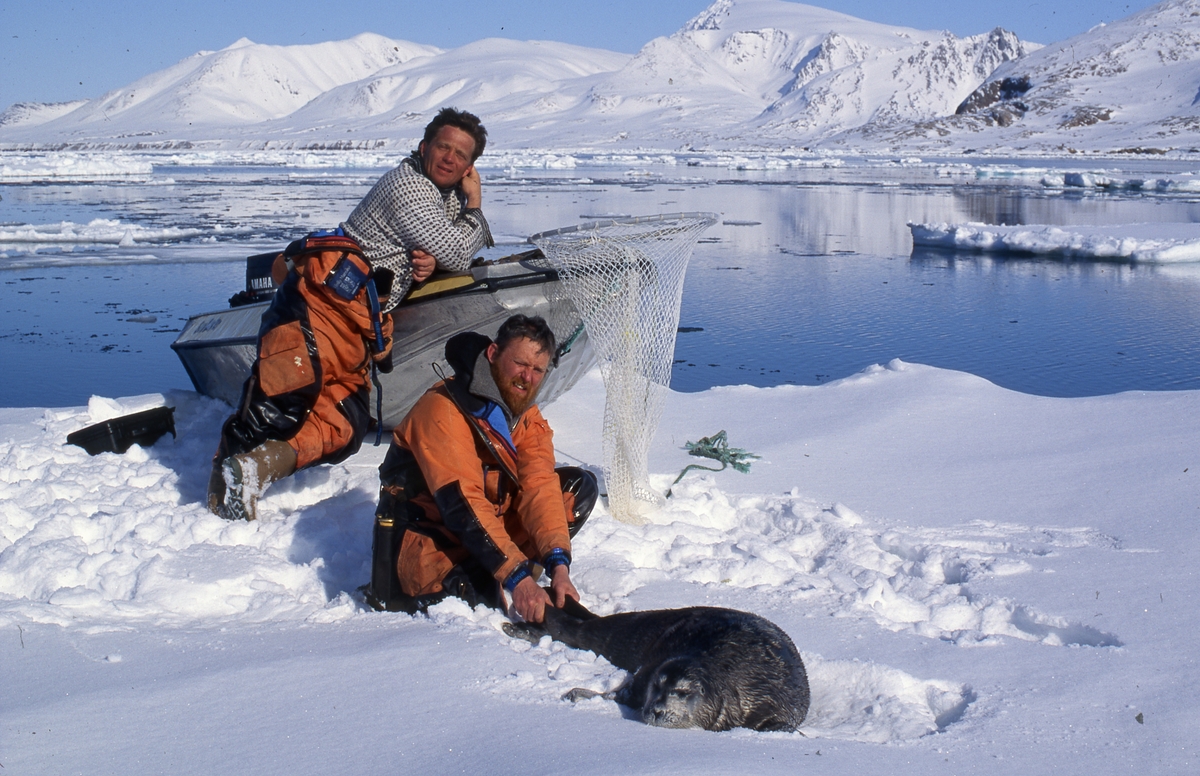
point(218, 348)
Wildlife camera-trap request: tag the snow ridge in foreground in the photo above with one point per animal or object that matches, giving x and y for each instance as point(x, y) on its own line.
point(114, 542)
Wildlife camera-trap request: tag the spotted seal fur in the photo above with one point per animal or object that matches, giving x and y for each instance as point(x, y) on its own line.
point(700, 666)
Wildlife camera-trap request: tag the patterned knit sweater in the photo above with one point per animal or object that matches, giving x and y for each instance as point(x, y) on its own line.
point(403, 211)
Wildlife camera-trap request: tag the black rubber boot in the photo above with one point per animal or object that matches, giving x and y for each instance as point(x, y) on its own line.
point(583, 486)
point(467, 581)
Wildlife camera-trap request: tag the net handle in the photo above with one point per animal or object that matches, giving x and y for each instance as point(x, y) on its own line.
point(707, 218)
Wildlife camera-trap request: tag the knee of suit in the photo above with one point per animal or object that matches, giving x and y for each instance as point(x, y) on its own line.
point(584, 489)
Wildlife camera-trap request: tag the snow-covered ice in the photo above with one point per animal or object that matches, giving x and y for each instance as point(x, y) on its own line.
point(100, 231)
point(1143, 243)
point(979, 580)
point(72, 166)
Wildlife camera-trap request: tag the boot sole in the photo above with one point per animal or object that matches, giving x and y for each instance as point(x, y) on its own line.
point(234, 507)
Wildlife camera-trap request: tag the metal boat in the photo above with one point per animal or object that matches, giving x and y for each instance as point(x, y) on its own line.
point(218, 348)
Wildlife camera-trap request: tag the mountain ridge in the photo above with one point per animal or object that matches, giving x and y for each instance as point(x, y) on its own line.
point(742, 74)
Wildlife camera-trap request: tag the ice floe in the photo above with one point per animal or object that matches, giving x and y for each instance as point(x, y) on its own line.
point(72, 166)
point(1143, 243)
point(100, 231)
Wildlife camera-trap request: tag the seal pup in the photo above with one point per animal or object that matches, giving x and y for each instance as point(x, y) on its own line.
point(700, 666)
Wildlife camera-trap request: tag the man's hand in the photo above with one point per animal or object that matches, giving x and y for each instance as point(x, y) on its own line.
point(472, 187)
point(530, 600)
point(561, 585)
point(422, 265)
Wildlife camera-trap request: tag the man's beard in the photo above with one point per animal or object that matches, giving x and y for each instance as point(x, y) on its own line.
point(517, 402)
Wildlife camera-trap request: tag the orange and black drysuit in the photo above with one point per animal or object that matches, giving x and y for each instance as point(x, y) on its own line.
point(473, 492)
point(310, 383)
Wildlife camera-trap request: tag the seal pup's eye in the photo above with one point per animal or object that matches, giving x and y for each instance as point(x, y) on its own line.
point(683, 687)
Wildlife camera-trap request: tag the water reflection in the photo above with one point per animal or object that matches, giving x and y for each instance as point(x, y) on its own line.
point(1043, 327)
point(823, 285)
point(1069, 208)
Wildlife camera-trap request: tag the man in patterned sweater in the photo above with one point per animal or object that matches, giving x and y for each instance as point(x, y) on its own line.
point(426, 213)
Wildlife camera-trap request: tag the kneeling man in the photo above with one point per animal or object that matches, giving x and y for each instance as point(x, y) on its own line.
point(471, 486)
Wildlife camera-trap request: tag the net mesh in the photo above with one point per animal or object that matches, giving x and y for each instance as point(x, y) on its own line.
point(625, 276)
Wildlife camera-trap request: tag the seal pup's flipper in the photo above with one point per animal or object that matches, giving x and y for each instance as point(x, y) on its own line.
point(571, 614)
point(583, 694)
point(525, 631)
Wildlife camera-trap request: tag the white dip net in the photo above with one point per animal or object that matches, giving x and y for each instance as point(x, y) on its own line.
point(625, 276)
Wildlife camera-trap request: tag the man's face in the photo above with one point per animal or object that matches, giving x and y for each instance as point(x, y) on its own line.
point(518, 371)
point(448, 156)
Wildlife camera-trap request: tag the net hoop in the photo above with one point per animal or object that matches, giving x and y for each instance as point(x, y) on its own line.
point(590, 226)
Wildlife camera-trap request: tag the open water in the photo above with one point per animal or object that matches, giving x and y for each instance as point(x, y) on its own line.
point(810, 277)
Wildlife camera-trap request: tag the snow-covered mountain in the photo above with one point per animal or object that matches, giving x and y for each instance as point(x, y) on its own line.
point(32, 113)
point(739, 66)
point(742, 74)
point(505, 81)
point(1129, 85)
point(245, 83)
point(793, 72)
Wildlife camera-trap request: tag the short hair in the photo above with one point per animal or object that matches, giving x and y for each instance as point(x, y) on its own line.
point(460, 119)
point(526, 327)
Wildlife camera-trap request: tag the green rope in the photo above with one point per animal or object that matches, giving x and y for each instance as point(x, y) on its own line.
point(717, 448)
point(565, 347)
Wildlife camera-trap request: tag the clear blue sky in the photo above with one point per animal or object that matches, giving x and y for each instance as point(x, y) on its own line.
point(54, 50)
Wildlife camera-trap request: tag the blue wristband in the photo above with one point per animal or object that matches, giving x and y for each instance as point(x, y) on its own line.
point(556, 557)
point(514, 579)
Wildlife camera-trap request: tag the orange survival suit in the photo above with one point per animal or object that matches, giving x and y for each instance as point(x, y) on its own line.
point(311, 381)
point(474, 505)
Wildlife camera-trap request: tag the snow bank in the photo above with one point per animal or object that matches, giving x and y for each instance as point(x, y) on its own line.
point(1144, 243)
point(120, 538)
point(122, 541)
point(961, 567)
point(114, 540)
point(791, 550)
point(129, 537)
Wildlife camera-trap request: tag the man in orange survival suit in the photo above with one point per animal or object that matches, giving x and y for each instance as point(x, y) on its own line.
point(306, 400)
point(470, 482)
